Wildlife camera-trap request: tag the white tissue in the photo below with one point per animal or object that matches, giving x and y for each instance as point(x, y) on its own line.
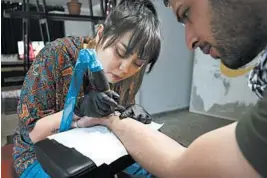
point(97, 143)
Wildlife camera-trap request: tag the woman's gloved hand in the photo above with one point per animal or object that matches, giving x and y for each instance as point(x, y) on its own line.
point(99, 104)
point(138, 113)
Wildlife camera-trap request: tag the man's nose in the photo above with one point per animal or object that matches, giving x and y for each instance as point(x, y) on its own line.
point(191, 37)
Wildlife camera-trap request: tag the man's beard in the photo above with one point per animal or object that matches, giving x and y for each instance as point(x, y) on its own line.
point(239, 32)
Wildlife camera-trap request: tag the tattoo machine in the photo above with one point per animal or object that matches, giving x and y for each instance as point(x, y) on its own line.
point(87, 60)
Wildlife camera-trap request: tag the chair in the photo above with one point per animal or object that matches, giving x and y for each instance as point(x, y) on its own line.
point(7, 170)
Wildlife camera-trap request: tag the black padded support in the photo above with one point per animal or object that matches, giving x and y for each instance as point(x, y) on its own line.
point(63, 162)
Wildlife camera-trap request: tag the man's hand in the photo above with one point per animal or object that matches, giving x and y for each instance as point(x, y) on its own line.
point(138, 113)
point(99, 104)
point(85, 121)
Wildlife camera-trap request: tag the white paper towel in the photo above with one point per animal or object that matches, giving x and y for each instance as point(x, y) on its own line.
point(97, 143)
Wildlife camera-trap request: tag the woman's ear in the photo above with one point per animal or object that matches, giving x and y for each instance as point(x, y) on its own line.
point(100, 30)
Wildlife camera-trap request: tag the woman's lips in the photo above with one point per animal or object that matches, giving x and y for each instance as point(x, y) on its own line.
point(116, 77)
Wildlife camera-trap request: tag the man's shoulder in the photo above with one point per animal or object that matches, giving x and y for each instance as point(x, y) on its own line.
point(251, 135)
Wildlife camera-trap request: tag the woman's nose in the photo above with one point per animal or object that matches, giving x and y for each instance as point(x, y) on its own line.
point(125, 65)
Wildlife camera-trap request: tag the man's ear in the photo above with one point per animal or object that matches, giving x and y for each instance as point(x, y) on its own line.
point(100, 30)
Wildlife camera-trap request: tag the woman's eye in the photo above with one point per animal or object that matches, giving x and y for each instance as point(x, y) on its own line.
point(120, 53)
point(139, 63)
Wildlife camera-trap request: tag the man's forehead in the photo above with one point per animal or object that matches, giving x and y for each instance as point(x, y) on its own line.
point(174, 2)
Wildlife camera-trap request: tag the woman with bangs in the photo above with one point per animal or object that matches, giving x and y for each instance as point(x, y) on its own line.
point(127, 43)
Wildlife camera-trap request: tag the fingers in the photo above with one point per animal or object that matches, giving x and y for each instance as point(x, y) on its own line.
point(146, 119)
point(102, 108)
point(120, 108)
point(109, 101)
point(113, 95)
point(87, 122)
point(127, 113)
point(137, 113)
point(104, 105)
point(97, 104)
point(116, 97)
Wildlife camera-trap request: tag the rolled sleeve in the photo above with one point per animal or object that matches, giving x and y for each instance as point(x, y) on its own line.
point(37, 98)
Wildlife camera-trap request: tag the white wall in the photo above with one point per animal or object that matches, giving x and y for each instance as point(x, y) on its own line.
point(78, 28)
point(168, 86)
point(220, 93)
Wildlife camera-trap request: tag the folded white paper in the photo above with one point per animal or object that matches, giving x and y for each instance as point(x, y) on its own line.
point(97, 143)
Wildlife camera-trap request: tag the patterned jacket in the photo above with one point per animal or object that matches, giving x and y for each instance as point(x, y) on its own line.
point(46, 86)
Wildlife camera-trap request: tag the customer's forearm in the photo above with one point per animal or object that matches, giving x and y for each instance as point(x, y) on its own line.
point(153, 150)
point(46, 126)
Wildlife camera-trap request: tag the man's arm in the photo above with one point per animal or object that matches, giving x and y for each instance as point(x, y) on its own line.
point(215, 154)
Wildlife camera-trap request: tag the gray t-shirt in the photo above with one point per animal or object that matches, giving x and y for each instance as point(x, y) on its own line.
point(251, 134)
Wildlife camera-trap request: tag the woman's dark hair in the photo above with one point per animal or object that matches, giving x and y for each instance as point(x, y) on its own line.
point(140, 18)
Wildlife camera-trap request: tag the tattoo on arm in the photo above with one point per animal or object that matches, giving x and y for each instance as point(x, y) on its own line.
point(55, 130)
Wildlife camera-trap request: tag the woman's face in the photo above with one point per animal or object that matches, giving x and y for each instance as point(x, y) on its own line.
point(117, 66)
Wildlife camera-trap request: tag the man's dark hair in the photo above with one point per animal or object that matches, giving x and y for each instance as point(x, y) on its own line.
point(140, 18)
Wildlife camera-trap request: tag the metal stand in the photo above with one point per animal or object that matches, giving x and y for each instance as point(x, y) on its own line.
point(42, 15)
point(25, 36)
point(25, 30)
point(91, 13)
point(43, 22)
